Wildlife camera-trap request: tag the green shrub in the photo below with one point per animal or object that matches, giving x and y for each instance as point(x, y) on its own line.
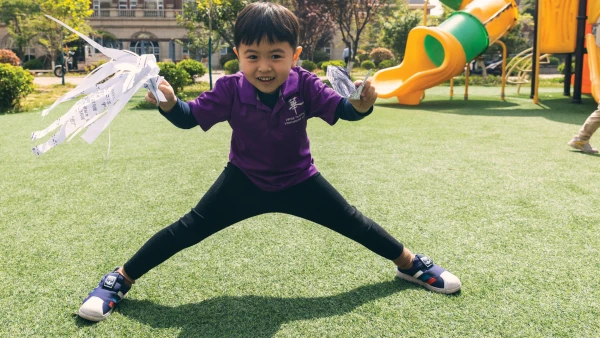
point(363, 57)
point(177, 77)
point(8, 56)
point(476, 80)
point(379, 54)
point(554, 61)
point(225, 58)
point(367, 65)
point(340, 63)
point(320, 56)
point(15, 84)
point(192, 67)
point(309, 65)
point(561, 68)
point(386, 64)
point(34, 64)
point(94, 65)
point(232, 67)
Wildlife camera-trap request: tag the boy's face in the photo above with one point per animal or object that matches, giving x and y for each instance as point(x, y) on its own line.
point(267, 65)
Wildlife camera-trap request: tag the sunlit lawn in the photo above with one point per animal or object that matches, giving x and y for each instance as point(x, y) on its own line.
point(488, 189)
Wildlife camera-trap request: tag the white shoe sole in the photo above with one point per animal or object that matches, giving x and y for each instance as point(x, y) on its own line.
point(447, 291)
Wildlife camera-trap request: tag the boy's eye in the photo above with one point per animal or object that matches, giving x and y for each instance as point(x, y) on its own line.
point(252, 57)
point(276, 56)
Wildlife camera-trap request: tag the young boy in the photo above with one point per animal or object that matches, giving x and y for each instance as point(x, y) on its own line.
point(270, 166)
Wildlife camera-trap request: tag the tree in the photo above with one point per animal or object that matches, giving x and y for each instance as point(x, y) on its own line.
point(315, 22)
point(197, 36)
point(352, 16)
point(53, 36)
point(396, 29)
point(13, 14)
point(223, 14)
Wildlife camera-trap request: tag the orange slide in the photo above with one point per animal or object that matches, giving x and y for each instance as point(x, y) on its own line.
point(436, 54)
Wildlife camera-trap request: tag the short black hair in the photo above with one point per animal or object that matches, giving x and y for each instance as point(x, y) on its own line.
point(265, 19)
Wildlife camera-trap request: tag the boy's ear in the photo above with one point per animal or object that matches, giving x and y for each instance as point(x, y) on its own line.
point(236, 53)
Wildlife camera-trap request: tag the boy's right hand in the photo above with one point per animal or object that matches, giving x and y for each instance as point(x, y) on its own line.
point(169, 94)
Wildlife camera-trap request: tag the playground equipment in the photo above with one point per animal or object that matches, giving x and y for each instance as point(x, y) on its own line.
point(593, 47)
point(437, 54)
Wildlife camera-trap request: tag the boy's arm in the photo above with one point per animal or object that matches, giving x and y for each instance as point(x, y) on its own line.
point(180, 115)
point(345, 111)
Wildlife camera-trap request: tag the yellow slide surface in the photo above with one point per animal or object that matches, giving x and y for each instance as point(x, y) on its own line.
point(593, 12)
point(418, 72)
point(409, 80)
point(594, 60)
point(558, 26)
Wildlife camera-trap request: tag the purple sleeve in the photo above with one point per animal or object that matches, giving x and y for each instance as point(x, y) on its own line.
point(214, 106)
point(323, 101)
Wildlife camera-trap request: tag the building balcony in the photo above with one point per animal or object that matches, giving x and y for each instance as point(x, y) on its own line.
point(116, 13)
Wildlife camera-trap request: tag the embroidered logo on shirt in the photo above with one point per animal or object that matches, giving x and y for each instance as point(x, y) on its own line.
point(294, 105)
point(297, 117)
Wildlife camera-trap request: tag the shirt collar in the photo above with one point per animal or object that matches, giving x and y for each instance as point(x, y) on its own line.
point(248, 93)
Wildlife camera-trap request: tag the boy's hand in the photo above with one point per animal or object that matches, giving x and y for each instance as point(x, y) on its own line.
point(169, 94)
point(367, 97)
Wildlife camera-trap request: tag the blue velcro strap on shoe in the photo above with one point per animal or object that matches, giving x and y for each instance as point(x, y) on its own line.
point(426, 261)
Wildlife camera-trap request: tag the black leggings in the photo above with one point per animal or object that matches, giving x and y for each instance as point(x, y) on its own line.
point(233, 198)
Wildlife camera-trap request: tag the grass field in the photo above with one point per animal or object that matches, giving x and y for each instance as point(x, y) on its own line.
point(488, 189)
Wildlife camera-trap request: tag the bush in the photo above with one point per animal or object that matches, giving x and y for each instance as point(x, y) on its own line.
point(554, 61)
point(177, 77)
point(94, 65)
point(476, 80)
point(561, 68)
point(309, 65)
point(8, 56)
point(320, 56)
point(232, 67)
point(225, 58)
point(379, 54)
point(367, 65)
point(340, 63)
point(192, 67)
point(34, 64)
point(363, 57)
point(15, 84)
point(386, 64)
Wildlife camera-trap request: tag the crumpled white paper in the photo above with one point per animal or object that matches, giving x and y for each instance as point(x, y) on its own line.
point(106, 96)
point(343, 84)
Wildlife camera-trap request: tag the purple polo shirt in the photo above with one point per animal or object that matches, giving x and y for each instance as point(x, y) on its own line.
point(270, 146)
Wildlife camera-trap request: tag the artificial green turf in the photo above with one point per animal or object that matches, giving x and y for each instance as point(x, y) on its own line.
point(488, 189)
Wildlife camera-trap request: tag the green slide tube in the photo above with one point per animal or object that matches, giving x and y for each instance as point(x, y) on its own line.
point(467, 29)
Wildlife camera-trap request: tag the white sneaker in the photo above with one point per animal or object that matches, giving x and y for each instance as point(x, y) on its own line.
point(582, 145)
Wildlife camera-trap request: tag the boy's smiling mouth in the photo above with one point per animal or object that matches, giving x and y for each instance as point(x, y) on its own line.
point(265, 79)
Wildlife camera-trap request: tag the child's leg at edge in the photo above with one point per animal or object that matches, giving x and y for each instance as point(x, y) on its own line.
point(213, 213)
point(590, 126)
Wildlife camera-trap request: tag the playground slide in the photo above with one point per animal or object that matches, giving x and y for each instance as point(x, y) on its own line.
point(558, 26)
point(594, 62)
point(593, 12)
point(436, 54)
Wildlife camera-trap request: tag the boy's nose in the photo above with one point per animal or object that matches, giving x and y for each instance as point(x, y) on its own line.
point(264, 67)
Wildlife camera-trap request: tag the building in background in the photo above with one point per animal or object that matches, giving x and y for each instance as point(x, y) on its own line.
point(150, 27)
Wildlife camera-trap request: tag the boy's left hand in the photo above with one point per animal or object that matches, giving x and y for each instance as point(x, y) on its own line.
point(367, 97)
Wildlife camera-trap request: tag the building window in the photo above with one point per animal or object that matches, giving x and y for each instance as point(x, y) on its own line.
point(145, 47)
point(327, 49)
point(154, 8)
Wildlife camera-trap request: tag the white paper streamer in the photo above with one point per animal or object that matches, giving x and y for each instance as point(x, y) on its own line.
point(342, 83)
point(108, 88)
